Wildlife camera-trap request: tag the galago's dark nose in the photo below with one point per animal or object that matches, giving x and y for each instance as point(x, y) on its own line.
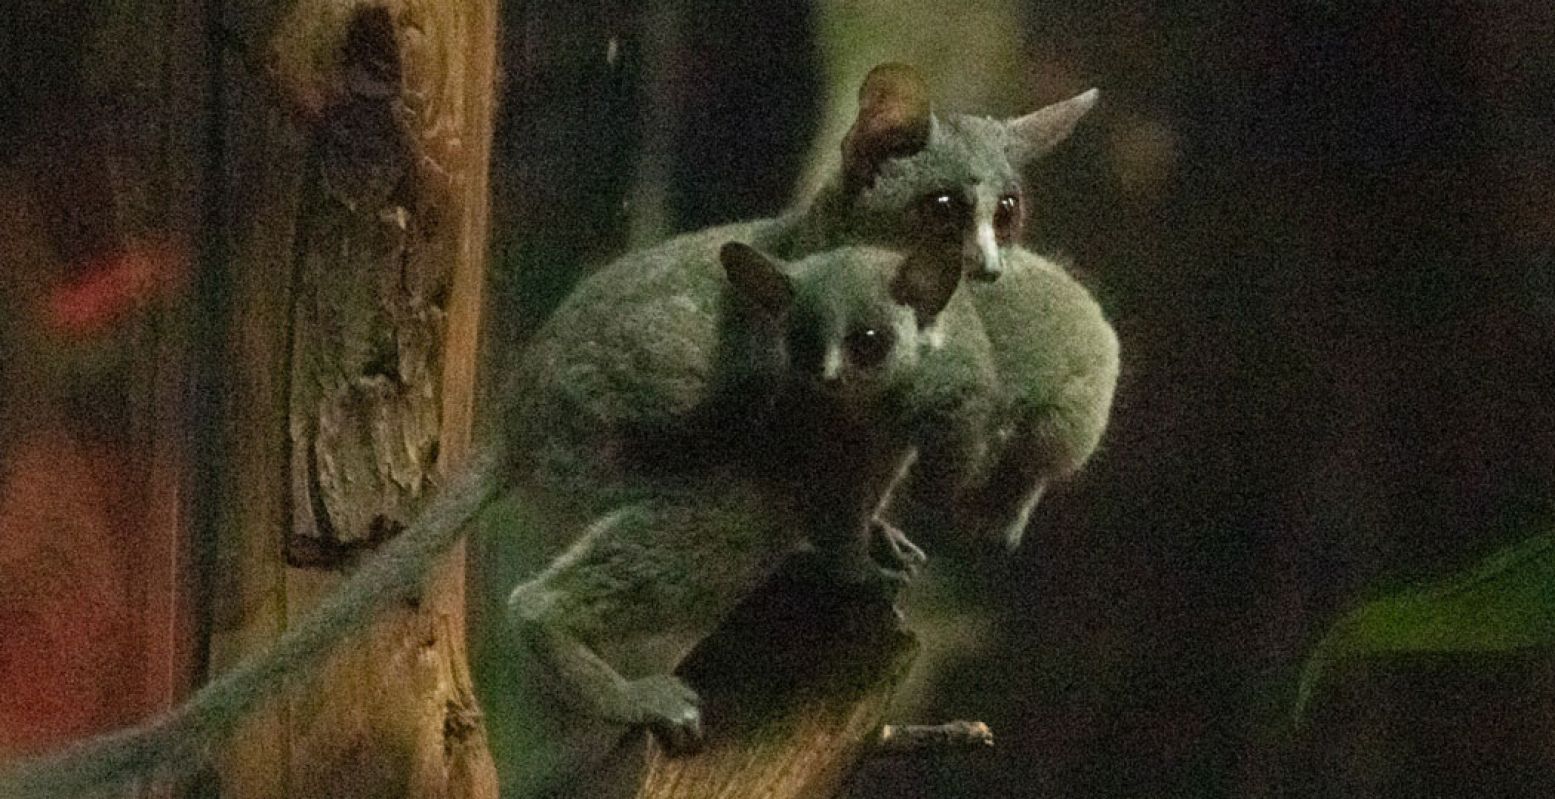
point(981, 270)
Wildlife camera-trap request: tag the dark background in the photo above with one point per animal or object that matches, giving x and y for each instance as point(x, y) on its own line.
point(1324, 233)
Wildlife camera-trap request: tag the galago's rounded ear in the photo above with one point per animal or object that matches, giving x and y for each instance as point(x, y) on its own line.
point(1034, 134)
point(757, 278)
point(894, 119)
point(925, 282)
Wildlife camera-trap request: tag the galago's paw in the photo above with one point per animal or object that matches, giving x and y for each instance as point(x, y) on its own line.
point(671, 709)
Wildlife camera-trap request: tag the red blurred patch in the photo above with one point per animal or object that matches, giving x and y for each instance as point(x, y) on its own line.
point(66, 669)
point(111, 286)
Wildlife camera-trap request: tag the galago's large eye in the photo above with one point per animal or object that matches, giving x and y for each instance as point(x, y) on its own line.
point(1007, 218)
point(868, 347)
point(941, 213)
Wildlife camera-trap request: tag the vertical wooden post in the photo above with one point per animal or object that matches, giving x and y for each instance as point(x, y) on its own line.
point(356, 142)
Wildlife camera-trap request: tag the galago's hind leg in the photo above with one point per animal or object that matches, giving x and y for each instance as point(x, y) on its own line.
point(538, 611)
point(889, 546)
point(661, 570)
point(1014, 487)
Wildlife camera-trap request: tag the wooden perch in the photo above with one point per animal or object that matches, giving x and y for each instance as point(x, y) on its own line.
point(911, 739)
point(794, 686)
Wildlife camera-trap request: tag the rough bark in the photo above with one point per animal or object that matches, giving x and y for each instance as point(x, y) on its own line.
point(356, 146)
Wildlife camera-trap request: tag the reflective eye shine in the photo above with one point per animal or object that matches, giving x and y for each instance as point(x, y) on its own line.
point(1007, 218)
point(868, 347)
point(942, 212)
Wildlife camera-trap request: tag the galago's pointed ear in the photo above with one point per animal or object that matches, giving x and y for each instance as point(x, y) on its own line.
point(925, 281)
point(1034, 134)
point(757, 278)
point(894, 119)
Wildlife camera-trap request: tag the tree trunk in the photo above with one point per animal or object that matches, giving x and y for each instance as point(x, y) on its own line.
point(354, 148)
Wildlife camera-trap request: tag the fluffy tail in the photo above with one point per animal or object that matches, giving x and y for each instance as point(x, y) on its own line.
point(175, 742)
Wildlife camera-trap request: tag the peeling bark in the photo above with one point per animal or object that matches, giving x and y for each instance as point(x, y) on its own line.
point(356, 165)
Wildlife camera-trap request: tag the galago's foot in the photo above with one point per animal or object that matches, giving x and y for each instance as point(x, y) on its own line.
point(892, 549)
point(671, 709)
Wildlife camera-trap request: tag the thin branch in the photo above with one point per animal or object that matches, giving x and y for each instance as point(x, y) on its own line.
point(913, 739)
point(794, 686)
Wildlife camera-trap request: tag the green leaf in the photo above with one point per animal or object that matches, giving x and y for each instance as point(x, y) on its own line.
point(1506, 603)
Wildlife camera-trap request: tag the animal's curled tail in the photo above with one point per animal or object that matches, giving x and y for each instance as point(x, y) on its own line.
point(176, 742)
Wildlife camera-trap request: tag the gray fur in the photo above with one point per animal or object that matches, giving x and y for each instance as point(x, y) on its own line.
point(638, 355)
point(805, 457)
point(632, 353)
point(1051, 405)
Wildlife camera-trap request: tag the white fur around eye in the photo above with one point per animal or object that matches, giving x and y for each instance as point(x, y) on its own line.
point(832, 363)
point(933, 336)
point(907, 330)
